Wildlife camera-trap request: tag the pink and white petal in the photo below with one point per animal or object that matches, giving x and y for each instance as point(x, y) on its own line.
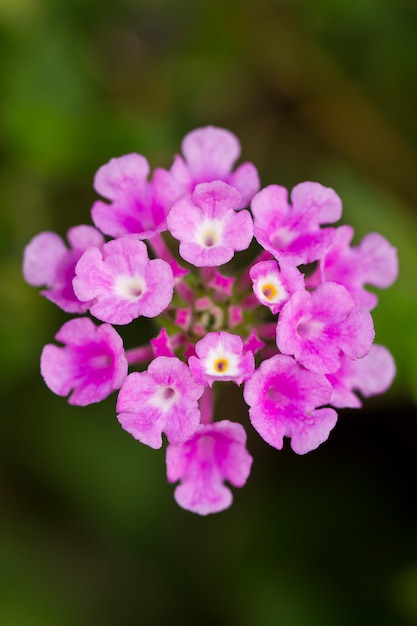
point(162, 399)
point(173, 371)
point(111, 276)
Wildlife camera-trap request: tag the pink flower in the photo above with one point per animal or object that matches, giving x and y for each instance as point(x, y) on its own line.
point(293, 232)
point(370, 376)
point(373, 262)
point(136, 205)
point(92, 363)
point(215, 453)
point(210, 154)
point(221, 356)
point(121, 283)
point(48, 261)
point(315, 327)
point(273, 284)
point(208, 227)
point(311, 334)
point(283, 398)
point(162, 399)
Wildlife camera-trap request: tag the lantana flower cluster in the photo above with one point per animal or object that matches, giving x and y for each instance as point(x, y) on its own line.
point(292, 327)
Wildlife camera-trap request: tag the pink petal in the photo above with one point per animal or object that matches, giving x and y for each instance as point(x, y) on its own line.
point(120, 175)
point(246, 179)
point(210, 152)
point(42, 257)
point(322, 202)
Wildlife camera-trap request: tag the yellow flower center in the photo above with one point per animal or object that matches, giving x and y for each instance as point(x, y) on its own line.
point(209, 238)
point(269, 291)
point(221, 365)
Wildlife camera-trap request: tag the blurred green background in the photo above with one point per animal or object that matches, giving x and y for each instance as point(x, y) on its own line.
point(89, 532)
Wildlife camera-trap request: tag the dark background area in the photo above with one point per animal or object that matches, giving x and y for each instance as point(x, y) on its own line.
point(90, 534)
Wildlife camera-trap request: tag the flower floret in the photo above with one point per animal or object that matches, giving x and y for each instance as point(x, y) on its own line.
point(161, 399)
point(273, 284)
point(221, 356)
point(210, 154)
point(284, 400)
point(300, 308)
point(370, 376)
point(208, 227)
point(373, 262)
point(215, 453)
point(315, 327)
point(136, 205)
point(91, 364)
point(121, 283)
point(47, 261)
point(293, 232)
